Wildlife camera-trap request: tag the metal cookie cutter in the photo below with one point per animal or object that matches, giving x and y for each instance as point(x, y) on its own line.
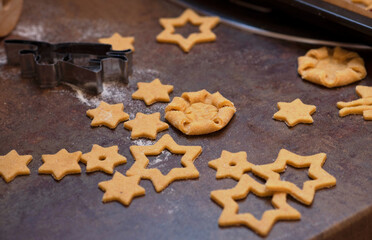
point(86, 65)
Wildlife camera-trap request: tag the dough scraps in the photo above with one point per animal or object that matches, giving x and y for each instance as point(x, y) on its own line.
point(367, 3)
point(152, 92)
point(13, 164)
point(146, 125)
point(331, 67)
point(107, 115)
point(321, 178)
point(118, 42)
point(294, 112)
point(121, 188)
point(205, 35)
point(103, 159)
point(232, 165)
point(197, 113)
point(360, 106)
point(230, 217)
point(60, 164)
point(160, 181)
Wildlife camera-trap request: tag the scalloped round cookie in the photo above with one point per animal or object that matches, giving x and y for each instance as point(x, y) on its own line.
point(197, 113)
point(331, 67)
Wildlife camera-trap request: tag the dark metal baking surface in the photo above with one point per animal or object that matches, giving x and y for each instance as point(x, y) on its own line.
point(252, 71)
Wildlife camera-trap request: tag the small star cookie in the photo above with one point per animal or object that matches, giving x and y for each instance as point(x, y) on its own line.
point(331, 67)
point(107, 115)
point(60, 164)
point(152, 92)
point(360, 106)
point(294, 112)
point(205, 35)
point(232, 165)
point(121, 188)
point(103, 159)
point(321, 178)
point(230, 215)
point(146, 125)
point(13, 164)
point(160, 181)
point(118, 42)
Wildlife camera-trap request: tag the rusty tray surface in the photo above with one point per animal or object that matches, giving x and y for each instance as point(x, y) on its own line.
point(252, 71)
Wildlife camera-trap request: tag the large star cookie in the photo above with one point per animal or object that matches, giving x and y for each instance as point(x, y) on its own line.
point(294, 112)
point(121, 188)
point(146, 125)
point(118, 42)
point(360, 106)
point(205, 35)
point(160, 181)
point(107, 115)
point(103, 159)
point(320, 178)
point(230, 215)
point(12, 165)
point(60, 164)
point(153, 92)
point(232, 165)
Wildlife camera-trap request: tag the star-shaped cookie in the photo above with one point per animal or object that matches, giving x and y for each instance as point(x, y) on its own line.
point(321, 178)
point(152, 92)
point(118, 42)
point(60, 164)
point(160, 181)
point(13, 164)
point(232, 165)
point(146, 125)
point(294, 112)
point(205, 35)
point(103, 159)
point(107, 115)
point(121, 188)
point(230, 216)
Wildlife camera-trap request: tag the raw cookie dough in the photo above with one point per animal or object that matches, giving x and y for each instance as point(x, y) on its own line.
point(360, 106)
point(205, 35)
point(294, 112)
point(232, 165)
point(60, 164)
point(152, 92)
point(230, 215)
point(146, 125)
point(367, 3)
point(320, 178)
point(13, 164)
point(331, 67)
point(103, 159)
point(197, 113)
point(160, 181)
point(118, 42)
point(107, 115)
point(121, 188)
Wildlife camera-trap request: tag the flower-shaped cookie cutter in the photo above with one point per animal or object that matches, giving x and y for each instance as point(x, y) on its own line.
point(197, 113)
point(331, 67)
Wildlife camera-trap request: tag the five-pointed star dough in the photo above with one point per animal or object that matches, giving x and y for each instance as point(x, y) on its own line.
point(321, 178)
point(153, 92)
point(118, 42)
point(294, 112)
point(160, 181)
point(103, 159)
point(12, 165)
point(232, 165)
point(108, 115)
point(205, 35)
point(60, 164)
point(121, 188)
point(230, 216)
point(146, 125)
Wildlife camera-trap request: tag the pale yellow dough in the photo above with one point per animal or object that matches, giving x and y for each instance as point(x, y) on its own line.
point(197, 113)
point(331, 67)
